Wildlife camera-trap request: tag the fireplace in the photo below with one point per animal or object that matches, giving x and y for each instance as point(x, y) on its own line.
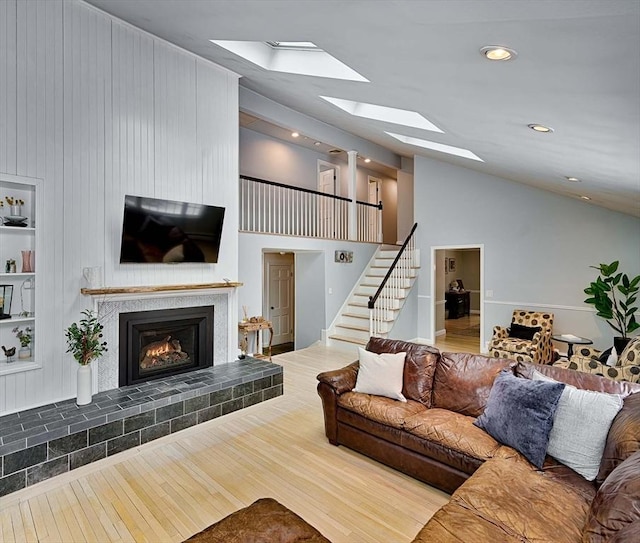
point(158, 343)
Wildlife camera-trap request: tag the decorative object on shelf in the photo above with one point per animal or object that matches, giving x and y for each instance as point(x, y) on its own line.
point(6, 293)
point(618, 311)
point(27, 261)
point(245, 313)
point(9, 353)
point(27, 284)
point(84, 342)
point(24, 336)
point(93, 277)
point(10, 266)
point(15, 217)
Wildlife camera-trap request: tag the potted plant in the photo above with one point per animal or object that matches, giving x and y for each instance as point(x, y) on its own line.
point(84, 342)
point(613, 294)
point(24, 337)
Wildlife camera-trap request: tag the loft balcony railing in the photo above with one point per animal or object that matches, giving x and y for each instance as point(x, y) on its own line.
point(268, 207)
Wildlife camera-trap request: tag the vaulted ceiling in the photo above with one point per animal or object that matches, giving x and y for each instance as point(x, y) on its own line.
point(577, 70)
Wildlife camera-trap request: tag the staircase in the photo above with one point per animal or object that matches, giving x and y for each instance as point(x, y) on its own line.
point(351, 327)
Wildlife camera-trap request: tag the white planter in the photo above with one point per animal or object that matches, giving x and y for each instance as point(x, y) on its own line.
point(84, 394)
point(24, 353)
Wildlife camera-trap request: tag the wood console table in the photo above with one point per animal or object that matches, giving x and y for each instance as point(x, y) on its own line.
point(458, 304)
point(257, 327)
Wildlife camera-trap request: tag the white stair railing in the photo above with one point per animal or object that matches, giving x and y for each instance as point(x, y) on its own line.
point(398, 278)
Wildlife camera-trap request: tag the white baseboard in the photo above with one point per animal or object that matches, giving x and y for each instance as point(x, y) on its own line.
point(441, 333)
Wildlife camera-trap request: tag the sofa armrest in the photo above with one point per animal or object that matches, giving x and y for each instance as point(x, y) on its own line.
point(342, 380)
point(330, 385)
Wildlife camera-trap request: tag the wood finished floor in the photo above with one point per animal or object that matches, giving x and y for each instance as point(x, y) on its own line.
point(171, 488)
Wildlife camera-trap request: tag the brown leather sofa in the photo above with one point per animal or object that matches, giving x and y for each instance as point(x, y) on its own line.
point(497, 494)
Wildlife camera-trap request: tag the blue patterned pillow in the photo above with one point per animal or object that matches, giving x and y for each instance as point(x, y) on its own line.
point(520, 412)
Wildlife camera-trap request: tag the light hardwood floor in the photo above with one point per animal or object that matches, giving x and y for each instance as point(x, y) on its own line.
point(171, 488)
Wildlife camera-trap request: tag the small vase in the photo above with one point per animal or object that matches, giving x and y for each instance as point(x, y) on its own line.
point(84, 394)
point(24, 352)
point(16, 211)
point(27, 266)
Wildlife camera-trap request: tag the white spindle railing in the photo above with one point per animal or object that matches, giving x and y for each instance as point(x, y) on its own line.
point(387, 299)
point(273, 208)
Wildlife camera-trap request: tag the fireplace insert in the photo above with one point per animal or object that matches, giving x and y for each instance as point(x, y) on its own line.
point(156, 344)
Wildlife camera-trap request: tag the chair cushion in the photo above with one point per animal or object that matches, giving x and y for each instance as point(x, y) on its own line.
point(523, 332)
point(515, 345)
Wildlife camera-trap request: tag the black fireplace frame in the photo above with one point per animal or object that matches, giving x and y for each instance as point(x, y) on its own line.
point(202, 316)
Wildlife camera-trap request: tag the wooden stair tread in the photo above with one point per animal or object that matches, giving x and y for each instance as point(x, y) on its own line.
point(353, 327)
point(349, 339)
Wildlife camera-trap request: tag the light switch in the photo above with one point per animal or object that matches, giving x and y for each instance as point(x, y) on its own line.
point(489, 294)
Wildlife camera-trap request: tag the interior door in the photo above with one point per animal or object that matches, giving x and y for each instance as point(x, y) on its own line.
point(279, 283)
point(326, 185)
point(374, 225)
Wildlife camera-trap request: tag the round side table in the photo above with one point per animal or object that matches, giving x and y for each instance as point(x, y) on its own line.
point(571, 341)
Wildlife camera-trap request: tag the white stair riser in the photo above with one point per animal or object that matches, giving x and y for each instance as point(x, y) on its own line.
point(387, 254)
point(370, 291)
point(358, 310)
point(381, 272)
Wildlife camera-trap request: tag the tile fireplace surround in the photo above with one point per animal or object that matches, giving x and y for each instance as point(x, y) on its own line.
point(46, 441)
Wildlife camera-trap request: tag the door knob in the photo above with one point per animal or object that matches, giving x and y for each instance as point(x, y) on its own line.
point(272, 307)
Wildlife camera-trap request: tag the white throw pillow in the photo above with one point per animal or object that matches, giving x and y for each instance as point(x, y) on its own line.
point(381, 374)
point(580, 427)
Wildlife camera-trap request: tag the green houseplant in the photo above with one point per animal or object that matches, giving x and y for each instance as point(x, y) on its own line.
point(614, 296)
point(84, 342)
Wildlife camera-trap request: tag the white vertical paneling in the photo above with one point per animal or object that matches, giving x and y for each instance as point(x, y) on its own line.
point(8, 86)
point(98, 109)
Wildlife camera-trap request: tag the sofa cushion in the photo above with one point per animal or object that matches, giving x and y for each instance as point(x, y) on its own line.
point(520, 412)
point(463, 381)
point(380, 374)
point(580, 427)
point(507, 501)
point(617, 503)
point(381, 409)
point(419, 366)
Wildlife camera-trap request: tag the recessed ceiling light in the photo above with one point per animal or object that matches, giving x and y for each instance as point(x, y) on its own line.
point(498, 52)
point(367, 160)
point(572, 179)
point(334, 151)
point(295, 135)
point(540, 128)
point(585, 197)
point(383, 113)
point(441, 147)
point(317, 144)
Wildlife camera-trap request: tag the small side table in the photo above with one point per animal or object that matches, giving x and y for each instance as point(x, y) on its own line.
point(571, 340)
point(257, 327)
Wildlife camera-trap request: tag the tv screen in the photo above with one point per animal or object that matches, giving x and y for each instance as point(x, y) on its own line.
point(157, 231)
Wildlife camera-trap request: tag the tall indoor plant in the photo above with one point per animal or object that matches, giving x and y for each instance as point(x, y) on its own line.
point(84, 342)
point(613, 294)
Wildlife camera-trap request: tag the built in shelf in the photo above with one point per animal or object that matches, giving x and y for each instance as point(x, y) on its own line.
point(17, 366)
point(15, 318)
point(106, 291)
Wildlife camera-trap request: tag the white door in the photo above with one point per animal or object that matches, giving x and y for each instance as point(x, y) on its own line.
point(326, 185)
point(279, 288)
point(374, 223)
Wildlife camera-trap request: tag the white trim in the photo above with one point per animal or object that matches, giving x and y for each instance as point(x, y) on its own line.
point(423, 296)
point(442, 332)
point(542, 306)
point(440, 302)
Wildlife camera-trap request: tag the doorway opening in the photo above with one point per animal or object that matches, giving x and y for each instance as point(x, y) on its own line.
point(278, 300)
point(457, 297)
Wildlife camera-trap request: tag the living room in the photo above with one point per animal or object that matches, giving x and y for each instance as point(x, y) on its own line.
point(95, 108)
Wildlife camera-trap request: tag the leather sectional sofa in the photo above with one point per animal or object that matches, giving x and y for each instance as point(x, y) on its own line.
point(497, 494)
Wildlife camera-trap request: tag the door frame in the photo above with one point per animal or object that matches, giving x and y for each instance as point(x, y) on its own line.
point(323, 165)
point(266, 301)
point(432, 309)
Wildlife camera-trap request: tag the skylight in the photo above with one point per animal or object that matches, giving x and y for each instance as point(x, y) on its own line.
point(440, 147)
point(383, 113)
point(303, 58)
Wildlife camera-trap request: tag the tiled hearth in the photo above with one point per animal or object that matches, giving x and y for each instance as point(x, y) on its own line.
point(46, 441)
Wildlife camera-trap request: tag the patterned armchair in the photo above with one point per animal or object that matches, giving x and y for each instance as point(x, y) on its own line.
point(538, 350)
point(627, 368)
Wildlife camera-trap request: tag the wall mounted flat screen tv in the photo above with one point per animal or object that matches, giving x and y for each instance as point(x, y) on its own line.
point(168, 231)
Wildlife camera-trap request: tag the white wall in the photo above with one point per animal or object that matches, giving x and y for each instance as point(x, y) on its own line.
point(98, 109)
point(315, 309)
point(538, 245)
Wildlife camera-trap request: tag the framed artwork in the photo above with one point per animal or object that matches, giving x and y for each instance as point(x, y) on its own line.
point(452, 264)
point(446, 265)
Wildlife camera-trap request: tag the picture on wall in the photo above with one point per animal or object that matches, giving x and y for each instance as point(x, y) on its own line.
point(452, 264)
point(446, 265)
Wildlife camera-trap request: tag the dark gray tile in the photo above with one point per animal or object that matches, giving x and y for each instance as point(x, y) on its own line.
point(242, 390)
point(154, 432)
point(65, 422)
point(137, 422)
point(24, 459)
point(88, 455)
point(47, 470)
point(169, 412)
point(70, 443)
point(23, 434)
point(262, 383)
point(197, 403)
point(273, 392)
point(220, 396)
point(123, 443)
point(47, 436)
point(105, 432)
point(12, 483)
point(95, 421)
point(252, 399)
point(278, 379)
point(209, 413)
point(130, 411)
point(184, 422)
point(13, 447)
point(231, 406)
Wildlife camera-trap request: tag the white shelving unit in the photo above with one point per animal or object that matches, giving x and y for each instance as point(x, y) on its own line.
point(14, 240)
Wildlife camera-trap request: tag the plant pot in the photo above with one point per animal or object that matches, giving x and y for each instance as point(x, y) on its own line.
point(620, 343)
point(84, 393)
point(24, 352)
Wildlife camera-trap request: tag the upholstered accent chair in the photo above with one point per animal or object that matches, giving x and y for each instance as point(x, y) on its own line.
point(586, 360)
point(512, 342)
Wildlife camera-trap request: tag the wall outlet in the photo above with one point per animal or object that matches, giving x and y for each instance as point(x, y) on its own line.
point(489, 294)
point(330, 290)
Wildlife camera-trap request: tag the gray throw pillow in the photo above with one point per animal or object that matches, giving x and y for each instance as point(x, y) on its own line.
point(519, 413)
point(580, 427)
